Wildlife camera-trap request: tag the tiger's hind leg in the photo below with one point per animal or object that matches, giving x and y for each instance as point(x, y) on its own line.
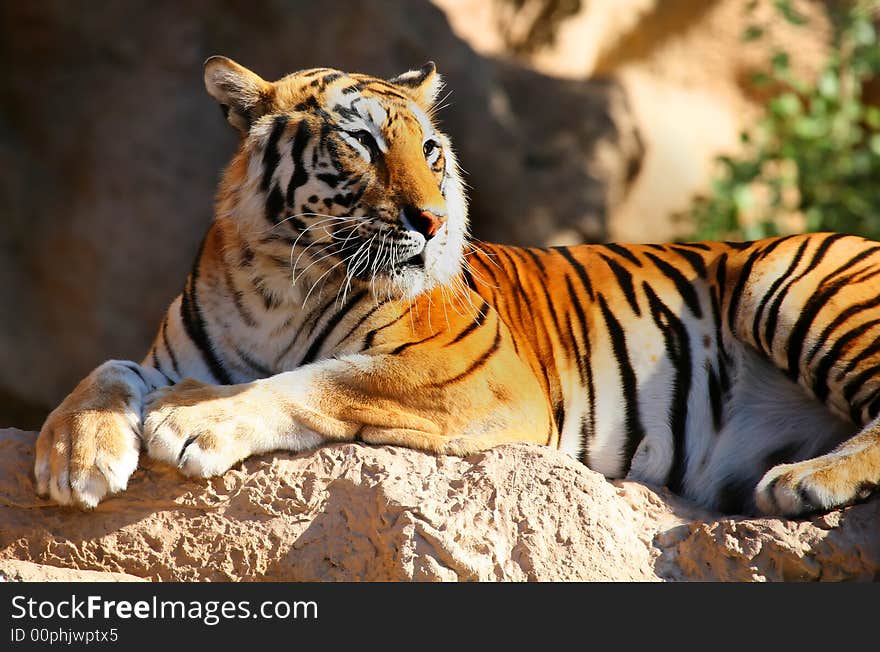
point(848, 473)
point(810, 305)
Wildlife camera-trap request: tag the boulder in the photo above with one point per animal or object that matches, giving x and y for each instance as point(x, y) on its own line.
point(349, 512)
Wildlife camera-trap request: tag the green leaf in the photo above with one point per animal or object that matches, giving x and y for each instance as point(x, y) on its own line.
point(742, 198)
point(752, 33)
point(863, 33)
point(761, 79)
point(790, 14)
point(780, 61)
point(828, 84)
point(786, 105)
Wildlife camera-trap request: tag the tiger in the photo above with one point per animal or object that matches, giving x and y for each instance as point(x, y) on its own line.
point(338, 296)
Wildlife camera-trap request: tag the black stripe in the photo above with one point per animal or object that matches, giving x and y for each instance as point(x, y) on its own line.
point(522, 316)
point(576, 350)
point(844, 316)
point(768, 297)
point(477, 364)
point(587, 373)
point(739, 246)
point(744, 274)
point(269, 299)
point(271, 157)
point(237, 295)
point(718, 301)
point(361, 321)
point(274, 205)
point(856, 408)
point(867, 352)
point(535, 259)
point(299, 176)
point(620, 250)
point(559, 417)
point(853, 386)
point(635, 432)
point(168, 347)
point(820, 375)
point(479, 321)
point(682, 284)
point(693, 245)
point(798, 335)
point(624, 279)
point(852, 262)
point(331, 324)
point(678, 349)
point(773, 316)
point(194, 324)
point(403, 347)
point(526, 255)
point(469, 280)
point(578, 268)
point(311, 321)
point(260, 368)
point(581, 317)
point(488, 268)
point(694, 259)
point(368, 340)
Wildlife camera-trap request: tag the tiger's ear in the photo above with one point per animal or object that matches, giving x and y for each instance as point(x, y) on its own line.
point(243, 95)
point(423, 85)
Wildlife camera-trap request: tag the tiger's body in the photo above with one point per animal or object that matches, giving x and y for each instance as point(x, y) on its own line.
point(336, 297)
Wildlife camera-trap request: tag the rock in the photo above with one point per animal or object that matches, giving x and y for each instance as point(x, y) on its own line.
point(103, 209)
point(13, 570)
point(354, 512)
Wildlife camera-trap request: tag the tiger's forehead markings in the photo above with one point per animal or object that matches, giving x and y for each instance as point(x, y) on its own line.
point(356, 110)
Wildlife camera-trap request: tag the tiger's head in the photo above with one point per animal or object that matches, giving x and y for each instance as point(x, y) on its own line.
point(345, 176)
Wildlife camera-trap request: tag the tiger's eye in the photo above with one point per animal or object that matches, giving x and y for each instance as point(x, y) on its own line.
point(366, 139)
point(429, 147)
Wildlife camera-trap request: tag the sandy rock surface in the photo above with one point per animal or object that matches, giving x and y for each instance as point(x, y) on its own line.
point(353, 512)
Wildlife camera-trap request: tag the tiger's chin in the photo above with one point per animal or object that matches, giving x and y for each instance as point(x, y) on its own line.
point(412, 278)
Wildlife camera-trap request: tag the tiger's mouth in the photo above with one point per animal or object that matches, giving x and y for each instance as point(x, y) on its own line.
point(378, 263)
point(417, 260)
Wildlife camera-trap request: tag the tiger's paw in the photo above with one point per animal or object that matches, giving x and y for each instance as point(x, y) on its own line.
point(813, 485)
point(89, 445)
point(200, 429)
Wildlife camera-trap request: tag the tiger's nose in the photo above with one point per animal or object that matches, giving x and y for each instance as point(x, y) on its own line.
point(425, 222)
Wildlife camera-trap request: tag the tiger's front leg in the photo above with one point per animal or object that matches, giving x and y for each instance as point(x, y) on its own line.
point(90, 444)
point(381, 399)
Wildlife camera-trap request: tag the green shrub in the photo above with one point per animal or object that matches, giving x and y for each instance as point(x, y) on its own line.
point(812, 163)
